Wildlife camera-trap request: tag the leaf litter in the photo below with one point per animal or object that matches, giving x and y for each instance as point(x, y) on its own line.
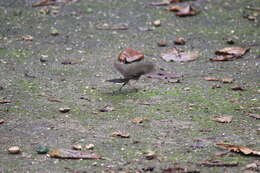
point(178, 55)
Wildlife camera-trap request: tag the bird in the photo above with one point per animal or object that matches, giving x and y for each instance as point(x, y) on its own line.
point(132, 71)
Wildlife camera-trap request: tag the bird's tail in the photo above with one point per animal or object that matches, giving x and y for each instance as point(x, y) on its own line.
point(118, 80)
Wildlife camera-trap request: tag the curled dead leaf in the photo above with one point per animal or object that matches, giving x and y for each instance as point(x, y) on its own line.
point(120, 134)
point(184, 11)
point(238, 148)
point(180, 41)
point(3, 101)
point(150, 155)
point(237, 88)
point(227, 80)
point(178, 55)
point(2, 121)
point(139, 120)
point(27, 38)
point(229, 53)
point(64, 109)
point(223, 119)
point(130, 55)
point(256, 116)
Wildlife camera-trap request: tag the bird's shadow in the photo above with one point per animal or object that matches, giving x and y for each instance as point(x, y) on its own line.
point(124, 91)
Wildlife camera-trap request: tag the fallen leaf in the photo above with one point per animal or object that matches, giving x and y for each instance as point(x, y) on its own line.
point(14, 150)
point(256, 116)
point(89, 146)
point(157, 23)
point(178, 55)
point(238, 148)
point(213, 163)
point(223, 119)
point(77, 147)
point(3, 101)
point(27, 38)
point(150, 155)
point(237, 88)
point(72, 154)
point(184, 11)
point(54, 100)
point(139, 120)
point(2, 121)
point(107, 109)
point(119, 134)
point(180, 41)
point(229, 53)
point(211, 79)
point(164, 75)
point(227, 80)
point(64, 109)
point(130, 55)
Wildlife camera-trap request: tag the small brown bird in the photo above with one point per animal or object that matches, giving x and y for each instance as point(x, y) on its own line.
point(132, 71)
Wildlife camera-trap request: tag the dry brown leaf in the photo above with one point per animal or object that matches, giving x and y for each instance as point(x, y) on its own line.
point(139, 120)
point(180, 41)
point(3, 101)
point(227, 80)
point(211, 79)
point(223, 119)
point(229, 53)
point(256, 116)
point(14, 150)
point(54, 100)
point(64, 109)
point(27, 38)
point(184, 11)
point(2, 121)
point(130, 55)
point(211, 163)
point(150, 155)
point(237, 51)
point(238, 148)
point(237, 88)
point(178, 55)
point(72, 154)
point(120, 134)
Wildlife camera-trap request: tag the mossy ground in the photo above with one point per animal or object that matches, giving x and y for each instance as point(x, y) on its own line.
point(180, 129)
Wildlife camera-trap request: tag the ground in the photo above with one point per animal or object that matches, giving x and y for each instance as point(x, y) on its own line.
point(180, 127)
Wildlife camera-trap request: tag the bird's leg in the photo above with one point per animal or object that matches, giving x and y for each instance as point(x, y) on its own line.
point(123, 86)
